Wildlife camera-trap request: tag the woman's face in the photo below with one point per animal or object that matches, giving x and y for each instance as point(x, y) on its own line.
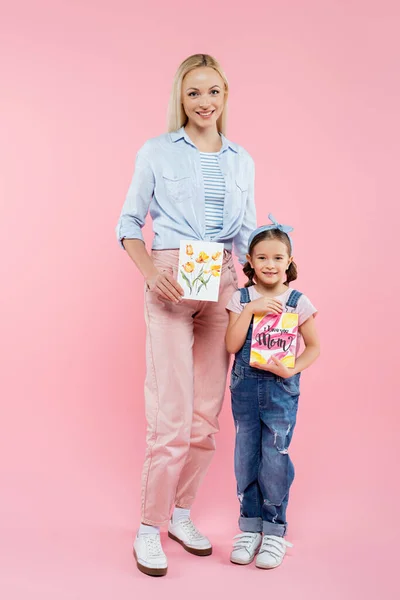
point(203, 97)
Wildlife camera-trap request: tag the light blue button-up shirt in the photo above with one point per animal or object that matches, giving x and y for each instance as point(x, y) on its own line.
point(168, 183)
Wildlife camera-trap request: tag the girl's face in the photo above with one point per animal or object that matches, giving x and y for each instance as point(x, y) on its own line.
point(270, 260)
point(203, 97)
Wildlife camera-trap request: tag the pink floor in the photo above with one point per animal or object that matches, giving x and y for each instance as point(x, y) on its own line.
point(96, 562)
point(68, 534)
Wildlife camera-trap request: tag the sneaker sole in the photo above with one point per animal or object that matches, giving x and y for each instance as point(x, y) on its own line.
point(238, 562)
point(195, 551)
point(149, 570)
point(268, 568)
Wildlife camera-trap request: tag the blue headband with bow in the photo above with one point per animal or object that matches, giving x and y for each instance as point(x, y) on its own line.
point(275, 225)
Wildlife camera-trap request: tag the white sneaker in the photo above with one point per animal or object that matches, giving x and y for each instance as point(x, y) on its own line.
point(185, 533)
point(272, 551)
point(245, 547)
point(150, 557)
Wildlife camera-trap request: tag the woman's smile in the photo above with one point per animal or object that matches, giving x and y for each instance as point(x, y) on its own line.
point(204, 114)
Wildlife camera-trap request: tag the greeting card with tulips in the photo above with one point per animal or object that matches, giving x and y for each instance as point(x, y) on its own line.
point(200, 265)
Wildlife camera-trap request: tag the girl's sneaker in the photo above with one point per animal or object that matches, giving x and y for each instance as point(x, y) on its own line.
point(245, 546)
point(272, 551)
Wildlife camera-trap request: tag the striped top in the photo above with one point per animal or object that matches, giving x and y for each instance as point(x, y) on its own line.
point(214, 191)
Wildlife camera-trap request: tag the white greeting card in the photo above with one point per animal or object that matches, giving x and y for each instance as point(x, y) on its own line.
point(200, 265)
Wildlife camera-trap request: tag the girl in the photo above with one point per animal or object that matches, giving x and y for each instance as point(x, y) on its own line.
point(197, 185)
point(265, 397)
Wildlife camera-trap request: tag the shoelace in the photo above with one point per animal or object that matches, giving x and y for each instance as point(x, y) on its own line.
point(191, 530)
point(244, 540)
point(274, 545)
point(153, 545)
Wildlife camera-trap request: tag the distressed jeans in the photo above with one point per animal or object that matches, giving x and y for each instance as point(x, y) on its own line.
point(264, 408)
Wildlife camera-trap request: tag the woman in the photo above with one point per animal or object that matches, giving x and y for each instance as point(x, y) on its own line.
point(196, 185)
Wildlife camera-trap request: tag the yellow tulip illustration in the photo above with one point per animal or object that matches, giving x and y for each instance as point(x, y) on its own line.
point(189, 267)
point(189, 250)
point(216, 256)
point(203, 257)
point(216, 270)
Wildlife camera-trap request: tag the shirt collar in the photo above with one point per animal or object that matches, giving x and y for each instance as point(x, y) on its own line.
point(181, 134)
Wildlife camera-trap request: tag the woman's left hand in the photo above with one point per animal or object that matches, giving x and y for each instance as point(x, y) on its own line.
point(276, 367)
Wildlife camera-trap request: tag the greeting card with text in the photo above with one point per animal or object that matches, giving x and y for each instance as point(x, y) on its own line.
point(274, 335)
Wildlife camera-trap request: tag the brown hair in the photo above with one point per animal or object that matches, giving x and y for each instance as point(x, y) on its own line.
point(270, 234)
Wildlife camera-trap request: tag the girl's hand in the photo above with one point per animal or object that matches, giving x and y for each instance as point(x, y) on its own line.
point(264, 305)
point(278, 368)
point(165, 286)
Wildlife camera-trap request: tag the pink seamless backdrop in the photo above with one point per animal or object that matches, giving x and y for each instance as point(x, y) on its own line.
point(315, 97)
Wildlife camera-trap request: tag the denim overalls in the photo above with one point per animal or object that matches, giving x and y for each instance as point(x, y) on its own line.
point(264, 408)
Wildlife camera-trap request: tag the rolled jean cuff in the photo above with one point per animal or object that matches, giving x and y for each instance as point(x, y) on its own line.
point(251, 524)
point(273, 529)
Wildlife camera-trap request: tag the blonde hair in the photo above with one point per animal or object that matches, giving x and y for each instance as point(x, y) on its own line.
point(176, 115)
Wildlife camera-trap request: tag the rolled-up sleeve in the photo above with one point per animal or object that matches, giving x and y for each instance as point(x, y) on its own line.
point(240, 241)
point(137, 201)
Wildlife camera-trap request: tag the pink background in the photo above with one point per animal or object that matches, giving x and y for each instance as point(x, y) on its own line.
point(315, 99)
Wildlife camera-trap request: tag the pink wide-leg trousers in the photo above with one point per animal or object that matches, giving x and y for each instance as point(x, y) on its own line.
point(187, 365)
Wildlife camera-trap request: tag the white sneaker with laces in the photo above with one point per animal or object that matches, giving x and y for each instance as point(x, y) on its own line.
point(186, 533)
point(272, 551)
point(245, 546)
point(150, 557)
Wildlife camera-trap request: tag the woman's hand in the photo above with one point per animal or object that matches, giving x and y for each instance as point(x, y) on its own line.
point(264, 305)
point(276, 367)
point(165, 286)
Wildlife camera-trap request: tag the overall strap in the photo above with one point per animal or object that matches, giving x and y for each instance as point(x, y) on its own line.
point(244, 295)
point(293, 299)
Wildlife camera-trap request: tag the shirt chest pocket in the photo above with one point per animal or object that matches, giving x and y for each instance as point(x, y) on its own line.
point(241, 189)
point(178, 186)
point(242, 183)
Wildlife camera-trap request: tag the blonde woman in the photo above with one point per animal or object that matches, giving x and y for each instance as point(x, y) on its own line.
point(197, 185)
